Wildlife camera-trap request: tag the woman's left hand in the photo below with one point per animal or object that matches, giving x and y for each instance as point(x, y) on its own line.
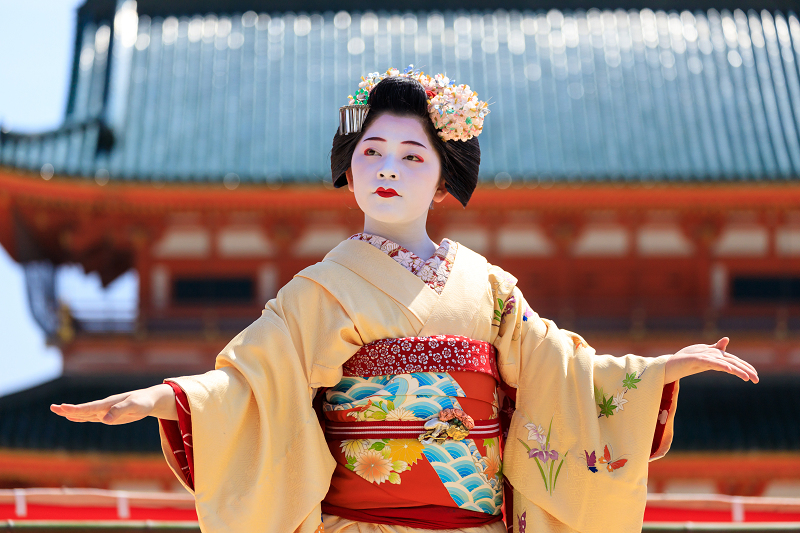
point(701, 357)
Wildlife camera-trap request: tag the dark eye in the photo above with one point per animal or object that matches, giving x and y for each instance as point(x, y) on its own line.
point(414, 157)
point(370, 151)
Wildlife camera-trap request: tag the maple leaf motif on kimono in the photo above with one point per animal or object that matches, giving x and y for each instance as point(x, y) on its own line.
point(630, 380)
point(607, 406)
point(619, 401)
point(493, 464)
point(405, 258)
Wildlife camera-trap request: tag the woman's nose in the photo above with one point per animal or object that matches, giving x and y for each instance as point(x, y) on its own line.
point(387, 174)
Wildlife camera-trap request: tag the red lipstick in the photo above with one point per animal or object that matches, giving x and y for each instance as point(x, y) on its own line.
point(386, 193)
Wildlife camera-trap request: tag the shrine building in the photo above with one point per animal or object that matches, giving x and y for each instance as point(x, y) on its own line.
point(640, 176)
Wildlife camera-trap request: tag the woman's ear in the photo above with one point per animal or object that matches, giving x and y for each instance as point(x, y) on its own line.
point(349, 175)
point(441, 191)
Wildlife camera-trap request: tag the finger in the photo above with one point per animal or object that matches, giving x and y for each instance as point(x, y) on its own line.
point(722, 343)
point(736, 358)
point(81, 418)
point(741, 370)
point(741, 362)
point(752, 374)
point(87, 408)
point(722, 365)
point(737, 367)
point(60, 410)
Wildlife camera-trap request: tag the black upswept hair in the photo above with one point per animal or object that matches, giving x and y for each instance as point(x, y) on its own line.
point(405, 97)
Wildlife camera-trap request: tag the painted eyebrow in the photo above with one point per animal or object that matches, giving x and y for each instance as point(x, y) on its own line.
point(404, 142)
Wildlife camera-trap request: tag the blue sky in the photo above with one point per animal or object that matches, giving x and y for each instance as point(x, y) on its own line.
point(36, 39)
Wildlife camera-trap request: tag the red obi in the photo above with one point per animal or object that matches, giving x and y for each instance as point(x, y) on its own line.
point(396, 437)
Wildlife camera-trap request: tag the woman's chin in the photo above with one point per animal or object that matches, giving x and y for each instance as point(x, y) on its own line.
point(390, 215)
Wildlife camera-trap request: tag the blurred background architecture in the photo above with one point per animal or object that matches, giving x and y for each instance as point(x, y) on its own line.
point(640, 176)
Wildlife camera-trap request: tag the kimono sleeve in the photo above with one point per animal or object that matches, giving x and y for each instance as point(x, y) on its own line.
point(261, 462)
point(582, 434)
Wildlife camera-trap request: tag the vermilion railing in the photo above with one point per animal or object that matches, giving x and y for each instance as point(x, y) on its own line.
point(95, 504)
point(721, 508)
point(96, 509)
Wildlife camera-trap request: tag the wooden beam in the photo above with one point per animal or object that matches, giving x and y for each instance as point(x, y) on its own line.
point(143, 197)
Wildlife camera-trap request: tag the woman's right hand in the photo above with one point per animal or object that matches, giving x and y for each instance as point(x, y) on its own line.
point(157, 401)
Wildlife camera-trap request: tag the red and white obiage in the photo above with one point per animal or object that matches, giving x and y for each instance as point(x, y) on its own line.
point(416, 425)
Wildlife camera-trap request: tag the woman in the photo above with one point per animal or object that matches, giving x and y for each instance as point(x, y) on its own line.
point(417, 353)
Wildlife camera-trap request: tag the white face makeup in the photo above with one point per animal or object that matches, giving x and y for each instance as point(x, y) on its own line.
point(395, 171)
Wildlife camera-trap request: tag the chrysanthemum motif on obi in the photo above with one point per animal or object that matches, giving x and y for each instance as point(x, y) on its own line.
point(410, 397)
point(381, 460)
point(440, 353)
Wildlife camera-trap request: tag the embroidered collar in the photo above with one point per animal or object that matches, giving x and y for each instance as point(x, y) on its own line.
point(433, 272)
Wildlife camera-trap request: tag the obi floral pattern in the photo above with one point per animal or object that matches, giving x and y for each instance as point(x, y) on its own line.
point(440, 353)
point(381, 460)
point(474, 481)
point(433, 272)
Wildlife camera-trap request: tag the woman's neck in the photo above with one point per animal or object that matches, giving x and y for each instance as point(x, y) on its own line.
point(412, 236)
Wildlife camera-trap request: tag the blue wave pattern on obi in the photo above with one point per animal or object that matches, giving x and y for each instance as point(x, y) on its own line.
point(461, 468)
point(418, 396)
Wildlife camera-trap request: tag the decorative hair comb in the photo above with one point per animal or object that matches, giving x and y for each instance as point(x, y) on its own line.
point(454, 109)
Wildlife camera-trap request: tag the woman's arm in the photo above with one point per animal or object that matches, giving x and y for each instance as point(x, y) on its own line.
point(701, 357)
point(157, 401)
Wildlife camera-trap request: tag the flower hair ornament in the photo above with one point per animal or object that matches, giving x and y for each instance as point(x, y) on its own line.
point(455, 110)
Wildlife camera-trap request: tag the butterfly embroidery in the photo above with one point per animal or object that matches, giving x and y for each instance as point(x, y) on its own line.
point(521, 522)
point(591, 461)
point(611, 464)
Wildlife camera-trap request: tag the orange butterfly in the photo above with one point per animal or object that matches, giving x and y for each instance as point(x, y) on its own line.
point(611, 464)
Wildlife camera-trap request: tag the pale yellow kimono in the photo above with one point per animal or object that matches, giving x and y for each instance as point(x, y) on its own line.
point(261, 463)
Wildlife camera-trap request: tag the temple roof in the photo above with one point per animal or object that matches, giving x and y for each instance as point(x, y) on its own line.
point(591, 95)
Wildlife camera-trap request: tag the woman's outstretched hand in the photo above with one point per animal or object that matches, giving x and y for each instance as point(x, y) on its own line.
point(157, 401)
point(701, 357)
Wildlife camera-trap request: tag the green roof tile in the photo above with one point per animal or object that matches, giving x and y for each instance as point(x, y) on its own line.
point(583, 95)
